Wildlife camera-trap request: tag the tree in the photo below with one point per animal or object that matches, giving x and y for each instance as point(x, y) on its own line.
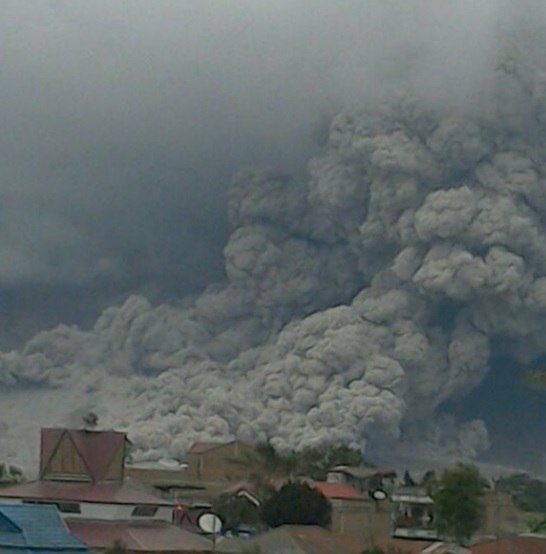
point(458, 502)
point(297, 503)
point(315, 462)
point(312, 461)
point(528, 493)
point(537, 525)
point(235, 511)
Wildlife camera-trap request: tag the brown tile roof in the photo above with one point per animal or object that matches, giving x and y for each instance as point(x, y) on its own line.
point(96, 448)
point(337, 491)
point(526, 544)
point(304, 539)
point(138, 537)
point(78, 492)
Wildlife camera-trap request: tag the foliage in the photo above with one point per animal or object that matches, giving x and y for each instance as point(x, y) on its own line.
point(537, 525)
point(235, 511)
point(312, 461)
point(297, 503)
point(10, 475)
point(315, 462)
point(429, 481)
point(117, 548)
point(458, 502)
point(527, 493)
point(274, 462)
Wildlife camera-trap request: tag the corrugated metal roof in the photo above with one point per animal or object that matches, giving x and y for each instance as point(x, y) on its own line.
point(96, 448)
point(81, 492)
point(39, 527)
point(139, 537)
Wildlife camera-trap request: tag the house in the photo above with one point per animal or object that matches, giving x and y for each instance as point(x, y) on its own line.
point(364, 478)
point(217, 461)
point(82, 455)
point(82, 475)
point(355, 514)
point(413, 514)
point(36, 529)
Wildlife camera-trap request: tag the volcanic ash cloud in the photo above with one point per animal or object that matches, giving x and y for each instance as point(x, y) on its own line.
point(355, 303)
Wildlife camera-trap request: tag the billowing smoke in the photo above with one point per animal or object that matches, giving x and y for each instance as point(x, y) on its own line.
point(356, 302)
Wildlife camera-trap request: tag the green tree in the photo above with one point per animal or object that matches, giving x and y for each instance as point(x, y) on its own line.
point(315, 462)
point(235, 511)
point(458, 502)
point(528, 493)
point(299, 504)
point(537, 525)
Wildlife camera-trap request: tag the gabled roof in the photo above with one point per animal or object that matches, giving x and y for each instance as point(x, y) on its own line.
point(138, 537)
point(35, 527)
point(103, 493)
point(95, 448)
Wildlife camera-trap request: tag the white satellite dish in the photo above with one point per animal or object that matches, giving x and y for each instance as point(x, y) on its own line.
point(209, 523)
point(378, 494)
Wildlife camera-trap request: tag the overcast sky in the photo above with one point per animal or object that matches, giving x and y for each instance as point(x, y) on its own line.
point(124, 121)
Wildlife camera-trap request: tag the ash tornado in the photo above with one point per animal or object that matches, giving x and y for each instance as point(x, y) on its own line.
point(356, 302)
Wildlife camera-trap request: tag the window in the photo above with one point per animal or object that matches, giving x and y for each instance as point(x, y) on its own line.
point(69, 507)
point(144, 511)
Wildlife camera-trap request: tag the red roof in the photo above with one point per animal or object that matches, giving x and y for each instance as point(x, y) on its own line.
point(511, 545)
point(81, 492)
point(337, 491)
point(138, 537)
point(96, 448)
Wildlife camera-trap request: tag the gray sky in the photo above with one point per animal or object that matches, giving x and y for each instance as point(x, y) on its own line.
point(123, 122)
